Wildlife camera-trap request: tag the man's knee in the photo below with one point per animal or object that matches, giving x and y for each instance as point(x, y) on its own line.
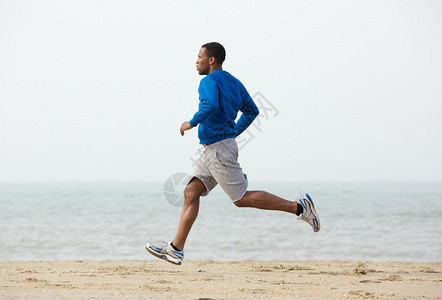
point(241, 202)
point(238, 203)
point(194, 189)
point(191, 193)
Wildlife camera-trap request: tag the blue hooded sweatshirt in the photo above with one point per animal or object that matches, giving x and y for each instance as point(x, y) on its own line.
point(221, 97)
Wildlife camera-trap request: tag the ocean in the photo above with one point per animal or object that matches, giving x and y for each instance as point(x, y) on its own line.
point(112, 221)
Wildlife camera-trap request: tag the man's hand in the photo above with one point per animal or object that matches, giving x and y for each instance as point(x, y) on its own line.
point(185, 126)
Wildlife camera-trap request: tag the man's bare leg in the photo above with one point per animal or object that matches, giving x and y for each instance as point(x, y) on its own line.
point(264, 200)
point(189, 211)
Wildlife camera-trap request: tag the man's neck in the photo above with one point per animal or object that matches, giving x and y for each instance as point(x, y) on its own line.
point(215, 68)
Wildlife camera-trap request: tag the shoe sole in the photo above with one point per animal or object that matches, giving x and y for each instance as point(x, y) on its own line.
point(161, 256)
point(316, 223)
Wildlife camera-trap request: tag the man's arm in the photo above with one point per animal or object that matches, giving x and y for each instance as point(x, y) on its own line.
point(249, 112)
point(208, 91)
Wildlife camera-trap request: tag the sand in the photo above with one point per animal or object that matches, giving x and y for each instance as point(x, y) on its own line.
point(220, 280)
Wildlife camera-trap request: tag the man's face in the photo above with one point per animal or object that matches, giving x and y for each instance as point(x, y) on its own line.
point(202, 62)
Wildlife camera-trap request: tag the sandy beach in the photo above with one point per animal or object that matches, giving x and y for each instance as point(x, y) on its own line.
point(220, 280)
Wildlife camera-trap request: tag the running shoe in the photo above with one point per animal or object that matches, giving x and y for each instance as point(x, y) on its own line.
point(165, 251)
point(309, 214)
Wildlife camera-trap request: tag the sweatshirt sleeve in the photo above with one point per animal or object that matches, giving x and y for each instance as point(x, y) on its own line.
point(249, 113)
point(208, 96)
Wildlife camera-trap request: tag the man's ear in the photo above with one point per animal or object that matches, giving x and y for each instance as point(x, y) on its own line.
point(211, 60)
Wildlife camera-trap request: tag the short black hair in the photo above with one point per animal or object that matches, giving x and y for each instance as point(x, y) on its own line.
point(216, 50)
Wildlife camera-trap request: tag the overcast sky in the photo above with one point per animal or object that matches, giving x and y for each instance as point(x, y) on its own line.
point(97, 90)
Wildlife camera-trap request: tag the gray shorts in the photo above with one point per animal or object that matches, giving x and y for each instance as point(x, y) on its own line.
point(218, 164)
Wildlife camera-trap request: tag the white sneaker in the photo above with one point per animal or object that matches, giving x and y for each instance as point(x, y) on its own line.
point(309, 214)
point(165, 251)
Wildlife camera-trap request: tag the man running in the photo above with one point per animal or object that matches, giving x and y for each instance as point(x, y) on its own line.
point(221, 97)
